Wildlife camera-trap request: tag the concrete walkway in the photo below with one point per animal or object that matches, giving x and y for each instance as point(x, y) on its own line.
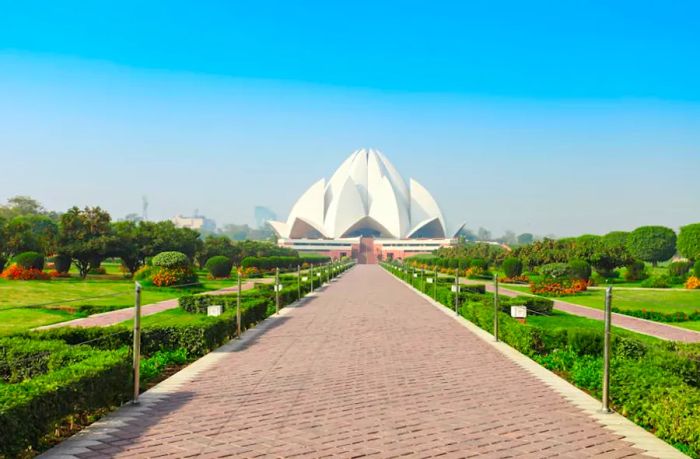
point(105, 319)
point(365, 367)
point(647, 327)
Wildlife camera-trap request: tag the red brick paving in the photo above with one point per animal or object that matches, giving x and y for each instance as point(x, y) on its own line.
point(367, 368)
point(663, 331)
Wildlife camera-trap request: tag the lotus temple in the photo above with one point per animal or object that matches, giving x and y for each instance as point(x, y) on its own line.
point(365, 211)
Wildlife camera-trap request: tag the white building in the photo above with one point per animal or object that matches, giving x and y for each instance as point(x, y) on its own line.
point(198, 222)
point(365, 210)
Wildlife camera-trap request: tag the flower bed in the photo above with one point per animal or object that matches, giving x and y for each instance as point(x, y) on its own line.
point(558, 287)
point(16, 272)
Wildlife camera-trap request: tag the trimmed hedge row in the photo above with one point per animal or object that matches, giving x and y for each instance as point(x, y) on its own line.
point(656, 386)
point(30, 409)
point(659, 316)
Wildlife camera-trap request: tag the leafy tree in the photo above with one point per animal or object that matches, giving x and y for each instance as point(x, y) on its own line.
point(512, 267)
point(689, 241)
point(652, 243)
point(130, 242)
point(4, 255)
point(84, 235)
point(165, 236)
point(483, 234)
point(525, 238)
point(218, 246)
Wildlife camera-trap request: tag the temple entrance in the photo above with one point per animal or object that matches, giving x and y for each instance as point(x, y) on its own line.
point(366, 255)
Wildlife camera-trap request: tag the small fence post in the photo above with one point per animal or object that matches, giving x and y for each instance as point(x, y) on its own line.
point(495, 307)
point(137, 342)
point(277, 290)
point(238, 305)
point(457, 291)
point(606, 351)
point(435, 284)
point(311, 275)
point(299, 282)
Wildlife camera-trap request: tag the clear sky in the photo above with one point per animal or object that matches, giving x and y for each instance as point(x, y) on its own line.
point(545, 117)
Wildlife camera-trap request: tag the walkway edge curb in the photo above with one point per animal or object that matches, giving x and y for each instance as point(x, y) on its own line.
point(76, 444)
point(636, 435)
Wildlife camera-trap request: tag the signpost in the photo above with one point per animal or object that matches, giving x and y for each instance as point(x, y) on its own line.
point(606, 350)
point(519, 313)
point(277, 290)
point(495, 307)
point(238, 305)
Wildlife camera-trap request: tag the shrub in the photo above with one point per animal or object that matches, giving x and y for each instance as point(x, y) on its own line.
point(61, 263)
point(652, 243)
point(171, 260)
point(693, 282)
point(30, 260)
point(32, 408)
point(97, 270)
point(662, 281)
point(16, 272)
point(555, 270)
point(558, 287)
point(166, 277)
point(696, 268)
point(636, 271)
point(219, 266)
point(688, 242)
point(512, 267)
point(679, 268)
point(144, 273)
point(580, 269)
point(479, 263)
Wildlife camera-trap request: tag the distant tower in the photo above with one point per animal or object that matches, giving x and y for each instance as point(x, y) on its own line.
point(144, 208)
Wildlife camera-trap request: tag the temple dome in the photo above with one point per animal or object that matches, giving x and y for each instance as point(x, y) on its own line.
point(366, 196)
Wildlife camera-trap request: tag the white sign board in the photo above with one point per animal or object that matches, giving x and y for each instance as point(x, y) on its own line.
point(415, 274)
point(278, 288)
point(518, 312)
point(430, 280)
point(304, 279)
point(455, 288)
point(214, 310)
point(318, 274)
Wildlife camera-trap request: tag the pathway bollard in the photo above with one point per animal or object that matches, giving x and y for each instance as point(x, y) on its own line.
point(277, 290)
point(137, 342)
point(495, 307)
point(435, 284)
point(299, 282)
point(311, 275)
point(238, 306)
point(606, 351)
point(456, 290)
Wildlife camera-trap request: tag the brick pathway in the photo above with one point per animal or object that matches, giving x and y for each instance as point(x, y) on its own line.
point(647, 327)
point(366, 368)
point(105, 319)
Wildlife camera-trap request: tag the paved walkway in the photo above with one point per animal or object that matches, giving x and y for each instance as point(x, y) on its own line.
point(647, 327)
point(366, 367)
point(105, 319)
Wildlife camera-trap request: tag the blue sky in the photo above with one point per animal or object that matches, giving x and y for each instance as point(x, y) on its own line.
point(548, 117)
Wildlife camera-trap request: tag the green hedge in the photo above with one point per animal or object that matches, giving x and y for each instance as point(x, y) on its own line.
point(30, 409)
point(657, 316)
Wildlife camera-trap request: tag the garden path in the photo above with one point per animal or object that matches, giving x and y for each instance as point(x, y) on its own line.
point(105, 319)
point(364, 367)
point(635, 324)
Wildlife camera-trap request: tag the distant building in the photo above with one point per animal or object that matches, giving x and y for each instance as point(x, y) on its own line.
point(263, 215)
point(197, 222)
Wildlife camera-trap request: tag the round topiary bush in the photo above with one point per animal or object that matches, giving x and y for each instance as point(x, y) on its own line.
point(171, 260)
point(61, 263)
point(30, 260)
point(219, 266)
point(555, 270)
point(512, 267)
point(579, 269)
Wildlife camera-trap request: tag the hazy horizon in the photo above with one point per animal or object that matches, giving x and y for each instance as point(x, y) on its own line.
point(524, 121)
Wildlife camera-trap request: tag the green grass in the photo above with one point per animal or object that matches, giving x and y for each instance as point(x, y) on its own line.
point(562, 320)
point(16, 320)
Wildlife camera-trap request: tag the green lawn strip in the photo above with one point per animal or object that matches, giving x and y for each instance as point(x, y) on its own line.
point(17, 320)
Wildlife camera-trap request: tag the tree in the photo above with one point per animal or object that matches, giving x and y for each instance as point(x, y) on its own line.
point(652, 243)
point(31, 233)
point(84, 235)
point(165, 237)
point(218, 246)
point(130, 242)
point(689, 241)
point(525, 238)
point(509, 238)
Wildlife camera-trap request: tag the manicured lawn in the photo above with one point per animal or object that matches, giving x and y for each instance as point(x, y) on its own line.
point(560, 319)
point(16, 320)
